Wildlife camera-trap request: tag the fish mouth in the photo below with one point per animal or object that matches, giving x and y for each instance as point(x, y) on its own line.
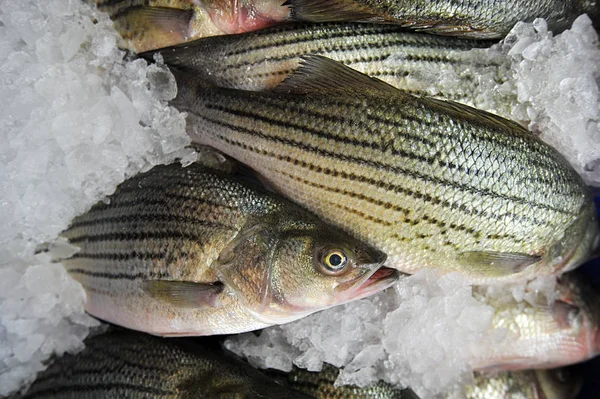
point(371, 283)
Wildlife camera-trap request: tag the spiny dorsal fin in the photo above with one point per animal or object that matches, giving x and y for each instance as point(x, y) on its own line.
point(498, 263)
point(331, 11)
point(317, 73)
point(183, 293)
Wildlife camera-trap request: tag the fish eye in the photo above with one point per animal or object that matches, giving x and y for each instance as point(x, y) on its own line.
point(333, 262)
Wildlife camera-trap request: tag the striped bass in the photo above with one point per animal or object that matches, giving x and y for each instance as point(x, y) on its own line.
point(473, 18)
point(127, 364)
point(543, 333)
point(563, 383)
point(432, 184)
point(413, 62)
point(194, 251)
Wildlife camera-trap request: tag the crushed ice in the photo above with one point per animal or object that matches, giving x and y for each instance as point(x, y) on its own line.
point(76, 119)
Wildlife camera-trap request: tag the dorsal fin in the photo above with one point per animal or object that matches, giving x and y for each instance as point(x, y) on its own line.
point(317, 73)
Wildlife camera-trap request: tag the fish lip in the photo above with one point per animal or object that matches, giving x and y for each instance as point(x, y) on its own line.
point(371, 282)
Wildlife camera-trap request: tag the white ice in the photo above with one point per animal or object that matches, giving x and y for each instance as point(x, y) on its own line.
point(76, 119)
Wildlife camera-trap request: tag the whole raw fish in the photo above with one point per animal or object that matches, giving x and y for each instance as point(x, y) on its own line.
point(563, 383)
point(150, 24)
point(126, 364)
point(320, 385)
point(413, 62)
point(194, 251)
point(478, 18)
point(545, 334)
point(432, 184)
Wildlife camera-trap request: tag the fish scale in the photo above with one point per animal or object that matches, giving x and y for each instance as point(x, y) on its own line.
point(126, 364)
point(425, 181)
point(478, 19)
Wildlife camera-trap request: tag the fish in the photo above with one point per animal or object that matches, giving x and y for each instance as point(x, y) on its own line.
point(150, 24)
point(320, 385)
point(128, 364)
point(433, 184)
point(477, 19)
point(413, 62)
point(196, 251)
point(560, 383)
point(550, 333)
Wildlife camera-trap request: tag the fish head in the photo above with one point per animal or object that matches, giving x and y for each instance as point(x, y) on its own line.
point(577, 311)
point(553, 332)
point(301, 268)
point(560, 383)
point(579, 242)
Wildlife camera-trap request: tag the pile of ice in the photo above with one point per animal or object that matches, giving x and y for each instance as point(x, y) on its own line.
point(421, 333)
point(76, 119)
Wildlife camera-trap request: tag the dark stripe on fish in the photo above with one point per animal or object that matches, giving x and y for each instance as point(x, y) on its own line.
point(138, 235)
point(121, 276)
point(428, 219)
point(103, 387)
point(139, 217)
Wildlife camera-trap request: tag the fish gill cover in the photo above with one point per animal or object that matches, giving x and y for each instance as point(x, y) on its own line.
point(76, 119)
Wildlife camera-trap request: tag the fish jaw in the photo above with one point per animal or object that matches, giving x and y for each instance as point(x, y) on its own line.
point(238, 16)
point(371, 283)
point(366, 285)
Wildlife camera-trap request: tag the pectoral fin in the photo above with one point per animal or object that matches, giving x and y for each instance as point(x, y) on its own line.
point(499, 263)
point(183, 293)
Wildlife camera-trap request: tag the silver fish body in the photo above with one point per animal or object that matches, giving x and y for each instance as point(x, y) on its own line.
point(562, 383)
point(432, 184)
point(413, 62)
point(320, 385)
point(192, 251)
point(544, 333)
point(127, 364)
point(479, 18)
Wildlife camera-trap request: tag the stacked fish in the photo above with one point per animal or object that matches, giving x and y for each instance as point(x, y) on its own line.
point(361, 169)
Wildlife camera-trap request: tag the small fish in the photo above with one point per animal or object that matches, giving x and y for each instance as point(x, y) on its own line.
point(552, 334)
point(127, 364)
point(195, 251)
point(432, 184)
point(150, 24)
point(562, 383)
point(477, 19)
point(320, 385)
point(261, 60)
